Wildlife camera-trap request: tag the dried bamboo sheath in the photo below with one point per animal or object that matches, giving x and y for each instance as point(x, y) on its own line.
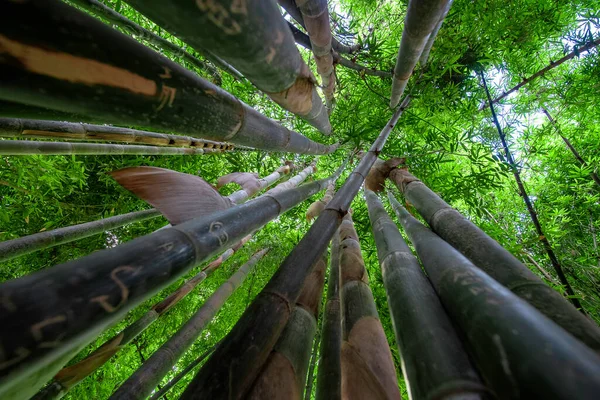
point(520, 353)
point(253, 37)
point(435, 363)
point(120, 81)
point(32, 128)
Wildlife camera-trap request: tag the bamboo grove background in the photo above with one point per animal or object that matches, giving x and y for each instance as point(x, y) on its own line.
point(447, 137)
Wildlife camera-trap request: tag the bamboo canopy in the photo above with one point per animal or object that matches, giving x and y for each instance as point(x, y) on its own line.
point(504, 333)
point(492, 258)
point(421, 20)
point(132, 86)
point(255, 39)
point(435, 362)
point(72, 375)
point(251, 340)
point(32, 128)
point(141, 383)
point(113, 281)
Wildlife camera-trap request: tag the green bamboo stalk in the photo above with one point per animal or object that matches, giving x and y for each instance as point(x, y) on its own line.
point(253, 37)
point(30, 147)
point(141, 383)
point(492, 258)
point(96, 7)
point(70, 376)
point(311, 368)
point(32, 128)
point(434, 361)
point(43, 240)
point(520, 353)
point(367, 367)
point(129, 84)
point(422, 18)
point(247, 347)
point(76, 301)
point(329, 379)
point(427, 49)
point(316, 20)
point(319, 205)
point(284, 373)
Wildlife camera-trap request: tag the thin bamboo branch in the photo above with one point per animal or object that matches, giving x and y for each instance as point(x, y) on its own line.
point(32, 128)
point(43, 240)
point(76, 301)
point(549, 277)
point(434, 360)
point(553, 64)
point(253, 38)
point(421, 20)
point(141, 383)
point(246, 348)
point(131, 84)
point(503, 333)
point(532, 213)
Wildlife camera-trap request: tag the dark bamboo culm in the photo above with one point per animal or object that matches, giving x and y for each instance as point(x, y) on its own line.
point(247, 347)
point(129, 85)
point(520, 353)
point(367, 366)
point(32, 128)
point(54, 313)
point(329, 378)
point(435, 362)
point(70, 376)
point(316, 20)
point(254, 38)
point(422, 17)
point(143, 381)
point(284, 373)
point(43, 240)
point(492, 258)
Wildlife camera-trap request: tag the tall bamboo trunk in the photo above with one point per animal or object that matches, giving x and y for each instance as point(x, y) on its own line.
point(530, 208)
point(245, 350)
point(329, 381)
point(520, 353)
point(242, 195)
point(427, 49)
point(316, 20)
point(70, 376)
point(434, 361)
point(130, 84)
point(75, 301)
point(492, 258)
point(143, 381)
point(32, 128)
point(422, 17)
point(44, 240)
point(366, 360)
point(253, 37)
point(284, 373)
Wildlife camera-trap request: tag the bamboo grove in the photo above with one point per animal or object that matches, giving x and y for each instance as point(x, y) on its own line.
point(298, 199)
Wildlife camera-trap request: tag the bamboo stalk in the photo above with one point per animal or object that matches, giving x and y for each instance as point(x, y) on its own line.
point(120, 81)
point(96, 7)
point(422, 18)
point(319, 205)
point(367, 368)
point(311, 367)
point(31, 128)
point(242, 195)
point(70, 376)
point(251, 36)
point(520, 353)
point(246, 348)
point(530, 208)
point(284, 373)
point(141, 383)
point(329, 373)
point(30, 147)
point(492, 258)
point(435, 363)
point(316, 20)
point(43, 240)
point(75, 301)
point(427, 49)
point(540, 268)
